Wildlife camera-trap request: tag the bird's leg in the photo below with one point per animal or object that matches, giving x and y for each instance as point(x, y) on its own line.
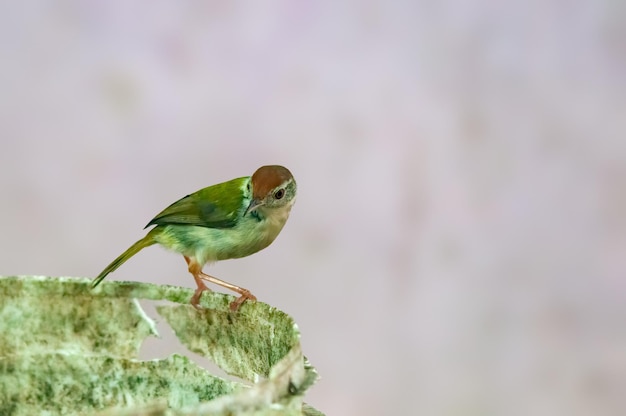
point(196, 270)
point(198, 275)
point(245, 293)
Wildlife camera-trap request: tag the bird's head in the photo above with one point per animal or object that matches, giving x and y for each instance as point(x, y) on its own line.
point(273, 187)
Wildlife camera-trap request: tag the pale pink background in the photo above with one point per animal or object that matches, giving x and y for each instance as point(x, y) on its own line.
point(458, 245)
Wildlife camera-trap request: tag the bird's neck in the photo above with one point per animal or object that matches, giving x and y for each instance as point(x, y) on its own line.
point(273, 217)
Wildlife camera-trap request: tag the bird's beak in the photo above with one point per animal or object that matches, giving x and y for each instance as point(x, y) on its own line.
point(254, 204)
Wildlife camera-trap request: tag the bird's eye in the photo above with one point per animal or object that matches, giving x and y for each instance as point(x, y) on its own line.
point(279, 194)
point(248, 186)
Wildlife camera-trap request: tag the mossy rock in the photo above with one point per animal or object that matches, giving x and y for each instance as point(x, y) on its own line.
point(66, 349)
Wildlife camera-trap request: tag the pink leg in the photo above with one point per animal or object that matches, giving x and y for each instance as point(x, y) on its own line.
point(195, 271)
point(245, 293)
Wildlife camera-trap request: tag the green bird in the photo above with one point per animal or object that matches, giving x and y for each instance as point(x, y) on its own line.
point(225, 221)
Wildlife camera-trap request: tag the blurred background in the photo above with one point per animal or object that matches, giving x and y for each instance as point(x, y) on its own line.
point(459, 242)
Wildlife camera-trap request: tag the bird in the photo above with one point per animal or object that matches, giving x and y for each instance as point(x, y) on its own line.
point(228, 220)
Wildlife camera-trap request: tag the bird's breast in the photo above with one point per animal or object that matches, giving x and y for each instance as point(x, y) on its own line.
point(248, 236)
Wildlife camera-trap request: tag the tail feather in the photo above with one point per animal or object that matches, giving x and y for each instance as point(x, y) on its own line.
point(148, 240)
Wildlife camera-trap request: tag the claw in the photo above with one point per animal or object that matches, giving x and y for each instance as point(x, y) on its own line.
point(234, 305)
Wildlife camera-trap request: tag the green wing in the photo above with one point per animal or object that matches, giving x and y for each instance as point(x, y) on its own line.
point(218, 206)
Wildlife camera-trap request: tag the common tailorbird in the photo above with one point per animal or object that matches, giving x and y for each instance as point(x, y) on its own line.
point(225, 221)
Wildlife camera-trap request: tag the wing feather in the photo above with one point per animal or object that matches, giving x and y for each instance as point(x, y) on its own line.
point(217, 206)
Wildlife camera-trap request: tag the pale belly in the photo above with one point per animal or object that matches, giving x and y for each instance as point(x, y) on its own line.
point(213, 244)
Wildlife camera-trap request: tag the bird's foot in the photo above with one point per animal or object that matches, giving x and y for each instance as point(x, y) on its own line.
point(195, 299)
point(245, 294)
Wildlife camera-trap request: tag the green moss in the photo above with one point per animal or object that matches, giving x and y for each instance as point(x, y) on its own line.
point(66, 349)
